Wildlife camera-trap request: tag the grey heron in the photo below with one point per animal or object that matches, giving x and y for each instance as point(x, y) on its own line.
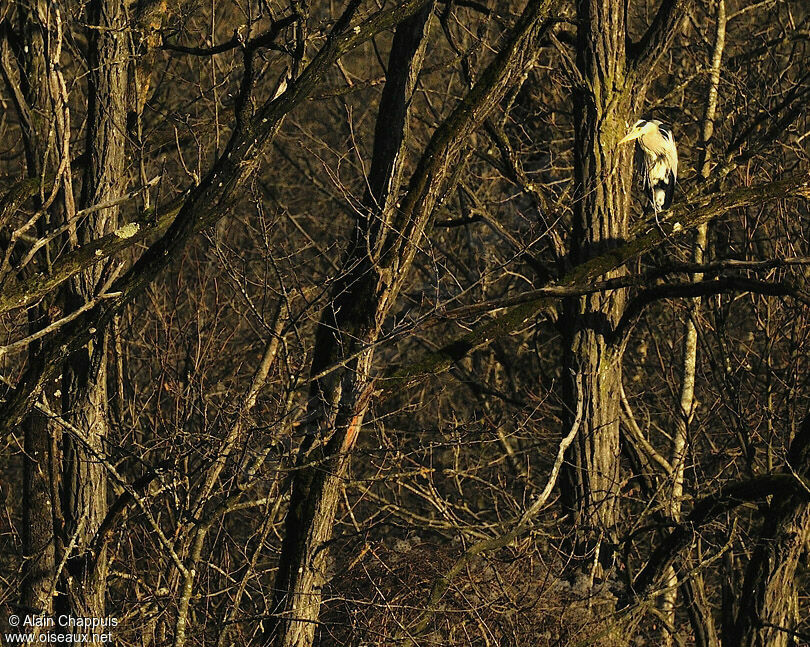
point(656, 161)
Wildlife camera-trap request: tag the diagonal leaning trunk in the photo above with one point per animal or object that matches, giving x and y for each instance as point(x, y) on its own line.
point(768, 609)
point(352, 320)
point(378, 263)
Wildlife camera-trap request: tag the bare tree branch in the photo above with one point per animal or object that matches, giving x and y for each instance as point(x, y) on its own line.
point(659, 36)
point(682, 218)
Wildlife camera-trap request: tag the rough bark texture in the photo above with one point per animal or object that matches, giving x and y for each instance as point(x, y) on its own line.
point(37, 536)
point(38, 539)
point(201, 207)
point(603, 181)
point(682, 218)
point(186, 499)
point(84, 378)
point(769, 607)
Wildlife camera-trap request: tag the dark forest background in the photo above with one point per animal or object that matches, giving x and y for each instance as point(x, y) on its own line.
point(344, 324)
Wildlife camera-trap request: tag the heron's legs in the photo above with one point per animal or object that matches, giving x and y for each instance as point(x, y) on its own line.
point(656, 211)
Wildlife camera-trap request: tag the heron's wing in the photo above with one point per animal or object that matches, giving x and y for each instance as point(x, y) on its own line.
point(672, 163)
point(669, 191)
point(671, 155)
point(642, 168)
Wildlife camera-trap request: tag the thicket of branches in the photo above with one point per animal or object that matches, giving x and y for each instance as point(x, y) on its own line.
point(345, 324)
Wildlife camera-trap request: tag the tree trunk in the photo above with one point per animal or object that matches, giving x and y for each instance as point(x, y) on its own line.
point(84, 378)
point(767, 611)
point(768, 608)
point(338, 401)
point(379, 261)
point(702, 626)
point(603, 181)
point(38, 537)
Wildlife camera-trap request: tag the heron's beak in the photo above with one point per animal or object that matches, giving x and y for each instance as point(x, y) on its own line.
point(633, 134)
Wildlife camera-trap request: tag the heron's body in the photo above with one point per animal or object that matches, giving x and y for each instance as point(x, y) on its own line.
point(656, 162)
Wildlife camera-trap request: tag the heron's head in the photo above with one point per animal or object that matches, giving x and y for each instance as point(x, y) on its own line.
point(640, 128)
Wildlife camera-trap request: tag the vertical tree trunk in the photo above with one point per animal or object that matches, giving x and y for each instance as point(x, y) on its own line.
point(603, 181)
point(38, 538)
point(689, 364)
point(84, 378)
point(37, 535)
